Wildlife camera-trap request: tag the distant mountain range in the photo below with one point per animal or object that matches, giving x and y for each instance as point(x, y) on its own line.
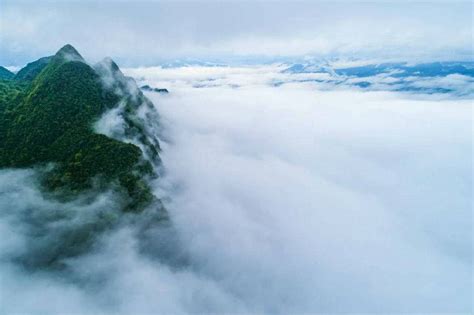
point(437, 77)
point(398, 69)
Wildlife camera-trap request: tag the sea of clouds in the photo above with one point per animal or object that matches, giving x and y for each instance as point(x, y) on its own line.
point(296, 197)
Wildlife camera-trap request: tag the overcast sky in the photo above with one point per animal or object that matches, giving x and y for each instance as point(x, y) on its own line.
point(145, 33)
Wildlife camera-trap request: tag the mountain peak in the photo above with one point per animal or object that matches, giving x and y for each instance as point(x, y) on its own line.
point(113, 66)
point(69, 52)
point(109, 71)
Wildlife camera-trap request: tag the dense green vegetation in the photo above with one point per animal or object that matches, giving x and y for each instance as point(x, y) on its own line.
point(9, 89)
point(46, 116)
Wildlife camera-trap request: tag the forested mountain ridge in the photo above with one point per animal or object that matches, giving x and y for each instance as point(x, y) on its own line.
point(32, 69)
point(47, 116)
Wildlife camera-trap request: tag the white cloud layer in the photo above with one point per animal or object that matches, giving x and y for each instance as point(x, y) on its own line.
point(289, 199)
point(304, 200)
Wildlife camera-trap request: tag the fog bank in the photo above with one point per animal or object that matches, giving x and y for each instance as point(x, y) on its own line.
point(301, 198)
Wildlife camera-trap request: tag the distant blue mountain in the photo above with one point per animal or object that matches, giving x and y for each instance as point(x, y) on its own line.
point(188, 62)
point(433, 69)
point(308, 68)
point(398, 69)
point(427, 78)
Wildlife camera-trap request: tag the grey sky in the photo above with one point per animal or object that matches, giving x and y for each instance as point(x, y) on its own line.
point(143, 33)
